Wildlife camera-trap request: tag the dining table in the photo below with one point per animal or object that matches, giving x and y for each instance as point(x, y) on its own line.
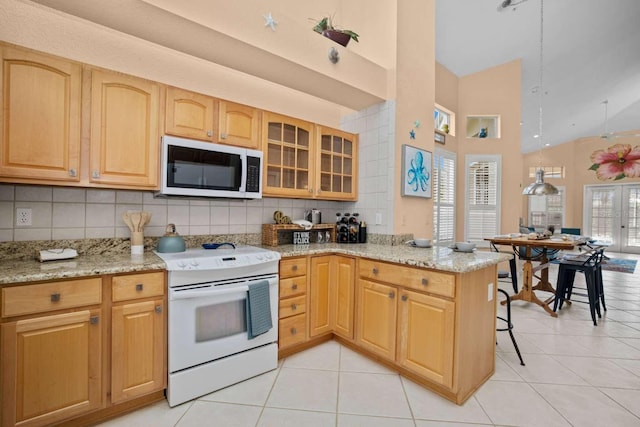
point(529, 271)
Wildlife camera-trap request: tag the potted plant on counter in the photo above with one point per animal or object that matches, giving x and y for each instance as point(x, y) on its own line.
point(326, 28)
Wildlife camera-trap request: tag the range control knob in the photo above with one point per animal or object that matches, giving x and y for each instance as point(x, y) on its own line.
point(181, 264)
point(194, 263)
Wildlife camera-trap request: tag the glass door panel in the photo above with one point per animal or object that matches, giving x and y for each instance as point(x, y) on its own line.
point(288, 178)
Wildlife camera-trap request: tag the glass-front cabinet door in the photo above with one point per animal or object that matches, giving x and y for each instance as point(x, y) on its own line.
point(337, 166)
point(288, 156)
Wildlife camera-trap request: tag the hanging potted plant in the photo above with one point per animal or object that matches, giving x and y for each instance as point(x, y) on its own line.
point(338, 35)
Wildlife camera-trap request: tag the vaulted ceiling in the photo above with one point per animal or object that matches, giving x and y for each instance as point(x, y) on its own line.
point(591, 53)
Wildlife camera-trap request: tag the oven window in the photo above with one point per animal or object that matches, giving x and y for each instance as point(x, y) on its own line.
point(220, 320)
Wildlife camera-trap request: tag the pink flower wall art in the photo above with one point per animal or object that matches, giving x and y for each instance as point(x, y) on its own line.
point(616, 162)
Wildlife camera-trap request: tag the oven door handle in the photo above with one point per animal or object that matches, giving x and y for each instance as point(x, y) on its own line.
point(176, 295)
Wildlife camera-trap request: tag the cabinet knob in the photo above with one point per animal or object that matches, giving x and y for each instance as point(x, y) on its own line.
point(311, 190)
point(139, 287)
point(374, 271)
point(294, 268)
point(222, 136)
point(319, 191)
point(94, 320)
point(158, 309)
point(55, 297)
point(294, 306)
point(294, 286)
point(294, 331)
point(95, 174)
point(404, 297)
point(425, 281)
point(72, 172)
point(392, 294)
point(210, 133)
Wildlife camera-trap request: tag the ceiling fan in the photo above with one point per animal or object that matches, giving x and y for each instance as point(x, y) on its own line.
point(609, 135)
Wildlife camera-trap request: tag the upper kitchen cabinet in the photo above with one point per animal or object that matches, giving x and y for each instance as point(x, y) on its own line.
point(337, 167)
point(124, 149)
point(308, 161)
point(239, 125)
point(40, 120)
point(189, 114)
point(288, 150)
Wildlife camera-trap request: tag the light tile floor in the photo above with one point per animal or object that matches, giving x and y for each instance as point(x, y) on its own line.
point(576, 374)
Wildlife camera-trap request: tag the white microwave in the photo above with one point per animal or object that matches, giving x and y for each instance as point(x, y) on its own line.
point(203, 169)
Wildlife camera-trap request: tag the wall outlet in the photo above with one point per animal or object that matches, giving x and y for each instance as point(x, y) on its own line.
point(23, 217)
point(490, 292)
point(378, 218)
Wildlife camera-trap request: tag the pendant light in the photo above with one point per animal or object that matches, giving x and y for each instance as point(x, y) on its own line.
point(539, 187)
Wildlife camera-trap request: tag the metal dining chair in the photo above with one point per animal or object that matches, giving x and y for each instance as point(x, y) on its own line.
point(589, 264)
point(509, 326)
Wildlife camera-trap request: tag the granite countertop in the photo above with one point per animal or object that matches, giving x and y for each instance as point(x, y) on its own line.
point(19, 271)
point(437, 258)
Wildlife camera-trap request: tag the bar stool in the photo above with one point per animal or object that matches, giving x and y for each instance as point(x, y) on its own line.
point(591, 266)
point(509, 325)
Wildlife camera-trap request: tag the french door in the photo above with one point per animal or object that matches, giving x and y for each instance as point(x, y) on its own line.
point(612, 214)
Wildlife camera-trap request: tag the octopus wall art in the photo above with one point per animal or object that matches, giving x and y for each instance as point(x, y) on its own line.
point(416, 172)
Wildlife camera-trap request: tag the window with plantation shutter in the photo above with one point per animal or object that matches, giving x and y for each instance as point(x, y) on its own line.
point(444, 197)
point(482, 190)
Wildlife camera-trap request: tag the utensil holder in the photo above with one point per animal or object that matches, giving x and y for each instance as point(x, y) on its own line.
point(137, 243)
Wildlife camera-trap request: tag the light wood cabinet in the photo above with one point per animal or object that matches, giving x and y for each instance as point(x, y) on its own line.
point(239, 125)
point(427, 351)
point(343, 298)
point(77, 350)
point(124, 147)
point(331, 295)
point(288, 156)
point(303, 160)
point(337, 165)
point(377, 317)
point(189, 114)
point(51, 362)
point(138, 343)
point(321, 309)
point(40, 119)
point(292, 324)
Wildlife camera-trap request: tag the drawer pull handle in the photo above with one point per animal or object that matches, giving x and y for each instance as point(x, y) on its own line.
point(139, 287)
point(425, 281)
point(375, 271)
point(158, 309)
point(94, 320)
point(294, 331)
point(294, 268)
point(392, 294)
point(294, 286)
point(404, 297)
point(55, 297)
point(294, 306)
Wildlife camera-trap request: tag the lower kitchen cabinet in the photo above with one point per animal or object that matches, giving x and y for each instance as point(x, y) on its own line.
point(428, 351)
point(59, 340)
point(320, 310)
point(51, 367)
point(138, 344)
point(377, 317)
point(292, 315)
point(343, 295)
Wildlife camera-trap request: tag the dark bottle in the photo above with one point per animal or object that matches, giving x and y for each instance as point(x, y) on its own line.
point(362, 233)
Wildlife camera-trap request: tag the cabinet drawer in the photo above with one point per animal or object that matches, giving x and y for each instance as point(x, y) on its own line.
point(293, 286)
point(293, 267)
point(413, 278)
point(291, 306)
point(292, 330)
point(135, 286)
point(28, 299)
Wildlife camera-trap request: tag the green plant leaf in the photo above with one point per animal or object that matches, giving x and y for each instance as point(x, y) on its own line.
point(594, 167)
point(619, 177)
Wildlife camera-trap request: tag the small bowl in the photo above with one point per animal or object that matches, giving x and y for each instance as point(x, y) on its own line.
point(422, 243)
point(465, 246)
